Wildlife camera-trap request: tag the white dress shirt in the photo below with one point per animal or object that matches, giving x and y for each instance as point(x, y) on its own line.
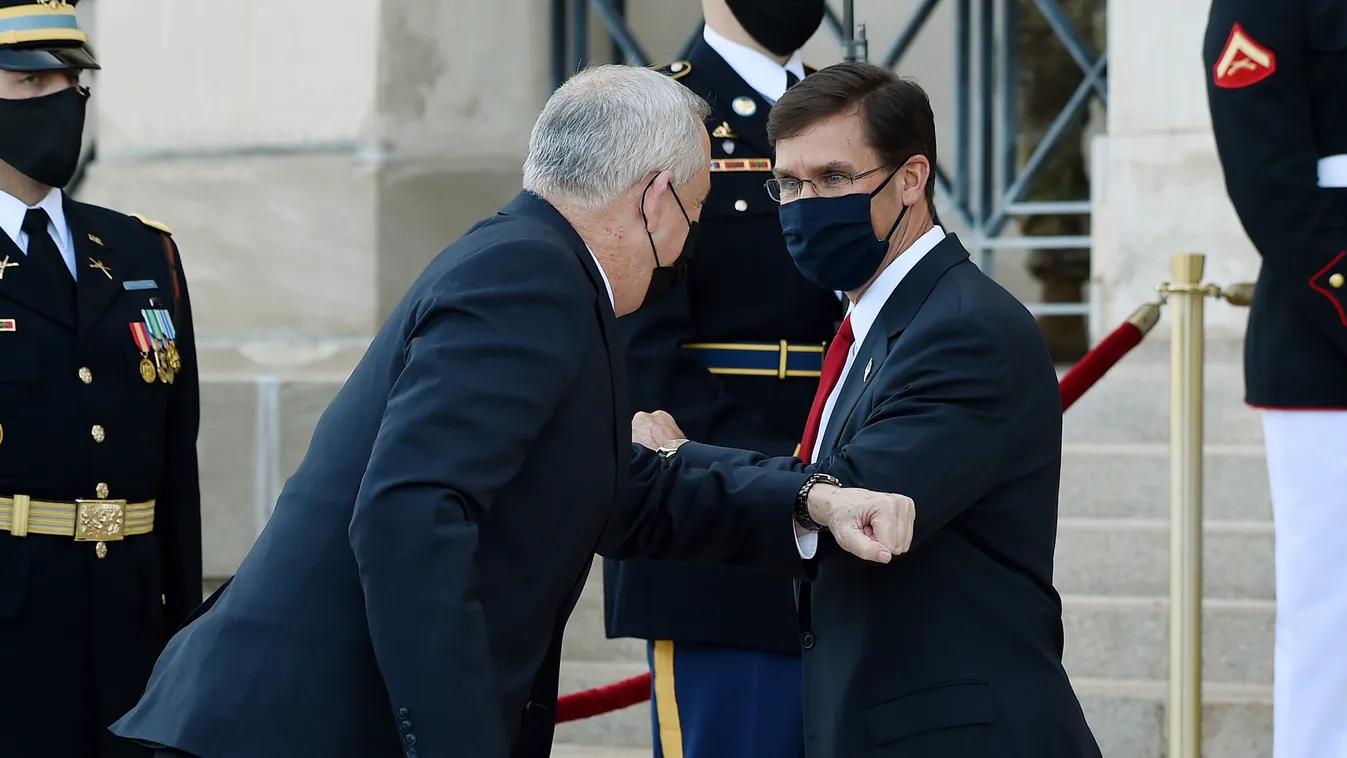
point(863, 314)
point(757, 70)
point(12, 211)
point(604, 275)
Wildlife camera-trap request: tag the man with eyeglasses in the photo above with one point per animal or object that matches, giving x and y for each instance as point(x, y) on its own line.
point(938, 385)
point(100, 511)
point(735, 355)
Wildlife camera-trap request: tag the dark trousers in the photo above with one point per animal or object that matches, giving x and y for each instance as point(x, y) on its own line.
point(712, 702)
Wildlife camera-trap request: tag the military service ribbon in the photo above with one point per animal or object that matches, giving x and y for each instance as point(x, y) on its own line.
point(142, 339)
point(160, 342)
point(170, 335)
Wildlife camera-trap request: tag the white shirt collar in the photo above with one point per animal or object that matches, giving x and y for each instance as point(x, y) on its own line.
point(866, 310)
point(757, 70)
point(604, 274)
point(12, 211)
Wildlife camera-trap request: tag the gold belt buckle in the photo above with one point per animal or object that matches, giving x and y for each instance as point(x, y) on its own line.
point(100, 521)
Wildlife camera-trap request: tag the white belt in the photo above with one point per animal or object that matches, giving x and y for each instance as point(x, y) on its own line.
point(1333, 171)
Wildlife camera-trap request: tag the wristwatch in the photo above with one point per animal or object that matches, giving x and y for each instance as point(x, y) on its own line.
point(801, 511)
point(667, 450)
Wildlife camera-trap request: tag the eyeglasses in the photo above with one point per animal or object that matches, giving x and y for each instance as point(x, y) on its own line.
point(828, 185)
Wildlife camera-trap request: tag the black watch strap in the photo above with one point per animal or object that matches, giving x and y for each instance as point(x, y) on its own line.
point(801, 510)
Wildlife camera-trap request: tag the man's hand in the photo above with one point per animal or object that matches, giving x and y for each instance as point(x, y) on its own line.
point(872, 525)
point(654, 429)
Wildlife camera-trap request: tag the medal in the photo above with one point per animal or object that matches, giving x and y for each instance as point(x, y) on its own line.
point(159, 342)
point(142, 339)
point(170, 336)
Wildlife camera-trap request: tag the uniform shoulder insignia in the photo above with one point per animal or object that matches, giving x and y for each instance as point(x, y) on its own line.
point(152, 224)
point(677, 69)
point(1243, 61)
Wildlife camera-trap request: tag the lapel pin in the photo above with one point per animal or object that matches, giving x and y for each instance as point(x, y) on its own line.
point(724, 131)
point(4, 264)
point(728, 146)
point(95, 263)
point(94, 239)
point(868, 365)
point(8, 325)
point(744, 106)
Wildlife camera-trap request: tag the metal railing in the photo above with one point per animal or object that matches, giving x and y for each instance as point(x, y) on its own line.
point(986, 187)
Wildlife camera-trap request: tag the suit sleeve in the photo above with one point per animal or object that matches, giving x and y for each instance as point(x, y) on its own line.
point(488, 359)
point(722, 513)
point(1265, 138)
point(666, 377)
point(937, 437)
point(178, 510)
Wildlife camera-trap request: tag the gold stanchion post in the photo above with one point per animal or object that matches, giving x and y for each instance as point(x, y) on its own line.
point(1185, 541)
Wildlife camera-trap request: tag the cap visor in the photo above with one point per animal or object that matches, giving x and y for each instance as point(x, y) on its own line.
point(46, 59)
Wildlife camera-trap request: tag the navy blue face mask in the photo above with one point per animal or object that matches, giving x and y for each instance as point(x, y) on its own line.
point(833, 240)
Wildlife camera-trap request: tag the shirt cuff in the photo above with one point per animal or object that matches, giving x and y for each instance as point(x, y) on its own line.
point(806, 541)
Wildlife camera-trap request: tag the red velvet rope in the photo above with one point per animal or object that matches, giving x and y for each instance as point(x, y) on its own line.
point(1098, 361)
point(1081, 377)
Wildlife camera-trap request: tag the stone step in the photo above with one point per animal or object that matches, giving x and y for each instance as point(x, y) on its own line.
point(1131, 405)
point(560, 750)
point(1106, 637)
point(1127, 716)
point(1130, 557)
point(1128, 638)
point(1109, 480)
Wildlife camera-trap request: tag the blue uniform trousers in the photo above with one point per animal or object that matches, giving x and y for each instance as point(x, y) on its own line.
point(719, 702)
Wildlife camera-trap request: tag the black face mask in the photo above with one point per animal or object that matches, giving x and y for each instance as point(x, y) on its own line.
point(41, 136)
point(781, 26)
point(664, 279)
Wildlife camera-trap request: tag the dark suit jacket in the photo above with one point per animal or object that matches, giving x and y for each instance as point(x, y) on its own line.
point(954, 650)
point(413, 583)
point(83, 633)
point(1270, 136)
point(742, 286)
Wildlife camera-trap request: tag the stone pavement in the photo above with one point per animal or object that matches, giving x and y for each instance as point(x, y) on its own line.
point(588, 751)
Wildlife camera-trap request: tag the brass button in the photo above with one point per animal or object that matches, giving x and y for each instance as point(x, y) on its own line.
point(101, 491)
point(2, 433)
point(86, 375)
point(1336, 281)
point(741, 205)
point(97, 432)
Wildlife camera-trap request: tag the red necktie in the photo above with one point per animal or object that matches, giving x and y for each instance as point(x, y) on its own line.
point(833, 363)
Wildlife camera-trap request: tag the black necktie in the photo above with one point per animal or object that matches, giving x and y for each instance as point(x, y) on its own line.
point(45, 256)
point(791, 79)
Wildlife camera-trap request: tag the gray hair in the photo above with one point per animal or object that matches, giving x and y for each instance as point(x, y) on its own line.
point(609, 127)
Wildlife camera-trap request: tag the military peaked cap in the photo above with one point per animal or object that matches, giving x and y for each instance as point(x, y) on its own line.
point(42, 35)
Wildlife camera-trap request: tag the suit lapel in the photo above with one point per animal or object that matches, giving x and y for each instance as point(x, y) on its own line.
point(871, 353)
point(528, 204)
point(26, 284)
point(898, 311)
point(734, 102)
point(616, 369)
point(101, 269)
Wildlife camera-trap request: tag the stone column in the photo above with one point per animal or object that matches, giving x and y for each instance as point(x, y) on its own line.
point(310, 158)
point(1157, 183)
